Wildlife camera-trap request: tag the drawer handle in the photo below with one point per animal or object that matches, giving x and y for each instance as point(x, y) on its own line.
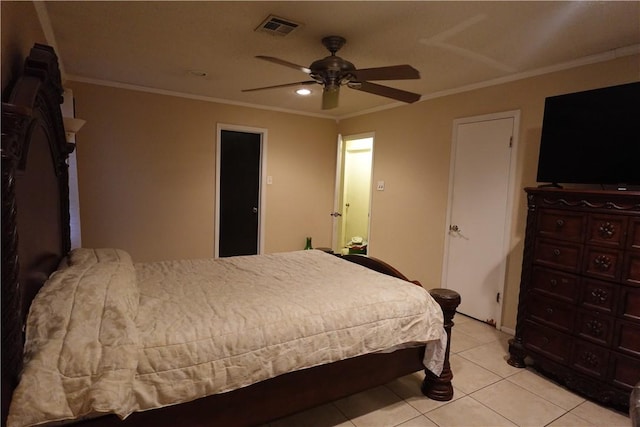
point(595, 327)
point(549, 311)
point(553, 283)
point(607, 230)
point(599, 296)
point(560, 223)
point(556, 252)
point(590, 359)
point(602, 262)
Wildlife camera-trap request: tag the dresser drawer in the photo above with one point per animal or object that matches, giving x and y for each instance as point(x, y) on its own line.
point(625, 371)
point(550, 343)
point(561, 225)
point(556, 283)
point(599, 295)
point(629, 303)
point(595, 327)
point(627, 338)
point(633, 235)
point(551, 312)
point(590, 359)
point(579, 310)
point(631, 268)
point(607, 230)
point(603, 263)
point(557, 254)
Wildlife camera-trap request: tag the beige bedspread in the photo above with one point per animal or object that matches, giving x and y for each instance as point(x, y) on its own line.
point(202, 326)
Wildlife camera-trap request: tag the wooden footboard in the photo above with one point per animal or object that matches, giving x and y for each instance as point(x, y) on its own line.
point(434, 387)
point(280, 396)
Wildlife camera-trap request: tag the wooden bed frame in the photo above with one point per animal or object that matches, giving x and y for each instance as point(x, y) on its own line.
point(35, 237)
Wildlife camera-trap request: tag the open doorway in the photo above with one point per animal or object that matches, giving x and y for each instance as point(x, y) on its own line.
point(353, 194)
point(240, 195)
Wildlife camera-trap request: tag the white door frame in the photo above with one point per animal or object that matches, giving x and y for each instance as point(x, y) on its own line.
point(506, 245)
point(338, 188)
point(336, 195)
point(263, 188)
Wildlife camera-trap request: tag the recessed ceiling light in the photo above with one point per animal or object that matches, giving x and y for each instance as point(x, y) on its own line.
point(303, 92)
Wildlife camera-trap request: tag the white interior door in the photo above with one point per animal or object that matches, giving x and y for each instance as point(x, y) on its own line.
point(336, 235)
point(480, 195)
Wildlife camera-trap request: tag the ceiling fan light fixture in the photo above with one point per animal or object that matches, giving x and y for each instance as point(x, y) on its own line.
point(332, 72)
point(331, 87)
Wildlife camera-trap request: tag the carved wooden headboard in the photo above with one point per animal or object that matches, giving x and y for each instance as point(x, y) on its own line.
point(35, 199)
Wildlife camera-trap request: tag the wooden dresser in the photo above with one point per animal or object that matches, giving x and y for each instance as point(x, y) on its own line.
point(579, 305)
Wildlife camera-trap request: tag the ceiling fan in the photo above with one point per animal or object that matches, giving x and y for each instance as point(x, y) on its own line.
point(332, 72)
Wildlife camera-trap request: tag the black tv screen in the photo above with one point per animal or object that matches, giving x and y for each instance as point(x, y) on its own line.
point(592, 137)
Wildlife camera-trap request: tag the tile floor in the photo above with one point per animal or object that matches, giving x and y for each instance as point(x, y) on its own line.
point(487, 392)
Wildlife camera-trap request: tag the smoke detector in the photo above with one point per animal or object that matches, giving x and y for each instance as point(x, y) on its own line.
point(278, 26)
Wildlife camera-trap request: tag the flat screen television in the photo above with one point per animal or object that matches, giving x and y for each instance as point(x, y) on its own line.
point(592, 137)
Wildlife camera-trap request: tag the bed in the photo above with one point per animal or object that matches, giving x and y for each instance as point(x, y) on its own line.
point(46, 289)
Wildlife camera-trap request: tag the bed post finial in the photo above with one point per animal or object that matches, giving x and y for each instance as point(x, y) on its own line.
point(440, 388)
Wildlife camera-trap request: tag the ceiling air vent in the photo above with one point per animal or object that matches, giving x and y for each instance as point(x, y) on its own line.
point(277, 26)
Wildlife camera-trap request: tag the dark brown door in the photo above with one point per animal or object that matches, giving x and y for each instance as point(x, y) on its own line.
point(239, 193)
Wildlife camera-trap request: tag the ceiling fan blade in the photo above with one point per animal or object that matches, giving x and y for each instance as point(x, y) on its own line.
point(330, 96)
point(393, 72)
point(285, 63)
point(305, 83)
point(389, 92)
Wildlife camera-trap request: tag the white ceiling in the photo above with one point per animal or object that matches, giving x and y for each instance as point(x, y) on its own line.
point(454, 45)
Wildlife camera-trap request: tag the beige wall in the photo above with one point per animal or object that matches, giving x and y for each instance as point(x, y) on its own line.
point(146, 167)
point(20, 30)
point(147, 164)
point(412, 156)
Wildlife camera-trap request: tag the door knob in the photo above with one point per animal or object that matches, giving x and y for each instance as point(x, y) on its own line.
point(335, 214)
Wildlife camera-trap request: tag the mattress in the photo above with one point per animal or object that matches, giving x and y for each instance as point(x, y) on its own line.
point(105, 335)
